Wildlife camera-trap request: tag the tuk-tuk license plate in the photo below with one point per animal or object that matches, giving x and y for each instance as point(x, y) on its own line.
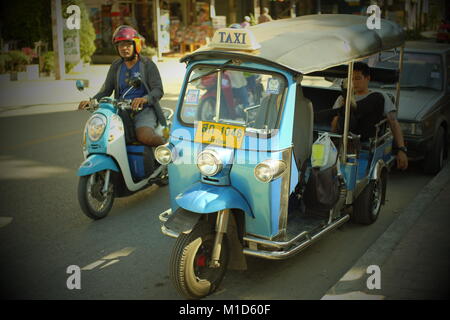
point(219, 134)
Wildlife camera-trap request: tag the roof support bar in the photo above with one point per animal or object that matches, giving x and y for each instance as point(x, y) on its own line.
point(347, 110)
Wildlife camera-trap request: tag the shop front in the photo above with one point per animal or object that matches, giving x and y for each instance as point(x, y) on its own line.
point(173, 25)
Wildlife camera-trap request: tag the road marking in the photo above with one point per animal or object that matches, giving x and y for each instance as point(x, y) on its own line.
point(93, 265)
point(109, 263)
point(42, 140)
point(4, 221)
point(354, 295)
point(14, 168)
point(110, 259)
point(121, 253)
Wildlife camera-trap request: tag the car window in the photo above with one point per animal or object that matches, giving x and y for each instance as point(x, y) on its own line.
point(420, 70)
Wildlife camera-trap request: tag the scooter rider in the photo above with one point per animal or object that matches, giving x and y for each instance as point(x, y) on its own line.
point(145, 99)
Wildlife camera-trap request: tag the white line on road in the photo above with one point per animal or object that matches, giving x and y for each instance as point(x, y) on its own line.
point(112, 256)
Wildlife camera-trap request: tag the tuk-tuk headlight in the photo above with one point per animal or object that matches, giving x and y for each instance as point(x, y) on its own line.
point(96, 126)
point(163, 154)
point(209, 163)
point(269, 170)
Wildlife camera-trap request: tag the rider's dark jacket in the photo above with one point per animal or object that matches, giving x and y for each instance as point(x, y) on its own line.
point(150, 78)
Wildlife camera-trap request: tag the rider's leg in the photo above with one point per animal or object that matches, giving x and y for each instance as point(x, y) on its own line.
point(148, 136)
point(145, 122)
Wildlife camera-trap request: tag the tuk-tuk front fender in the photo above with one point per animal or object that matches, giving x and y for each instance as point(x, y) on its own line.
point(204, 198)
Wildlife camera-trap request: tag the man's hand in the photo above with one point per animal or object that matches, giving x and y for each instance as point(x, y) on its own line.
point(83, 105)
point(138, 103)
point(402, 160)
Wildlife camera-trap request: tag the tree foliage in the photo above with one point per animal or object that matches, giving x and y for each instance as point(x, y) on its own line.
point(26, 21)
point(30, 21)
point(87, 31)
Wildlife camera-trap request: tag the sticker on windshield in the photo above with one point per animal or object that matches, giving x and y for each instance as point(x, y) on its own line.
point(273, 86)
point(192, 96)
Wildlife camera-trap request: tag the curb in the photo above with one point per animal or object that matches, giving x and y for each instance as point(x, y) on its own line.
point(354, 280)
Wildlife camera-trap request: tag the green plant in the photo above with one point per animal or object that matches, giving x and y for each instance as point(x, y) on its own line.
point(253, 20)
point(69, 66)
point(86, 32)
point(4, 62)
point(17, 61)
point(48, 65)
point(148, 52)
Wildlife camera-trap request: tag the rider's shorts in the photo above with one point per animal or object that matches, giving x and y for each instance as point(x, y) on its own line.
point(145, 118)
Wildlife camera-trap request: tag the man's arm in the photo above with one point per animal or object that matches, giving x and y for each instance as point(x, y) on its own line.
point(155, 84)
point(402, 158)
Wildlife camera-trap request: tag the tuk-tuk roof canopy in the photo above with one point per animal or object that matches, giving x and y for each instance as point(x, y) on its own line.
point(312, 43)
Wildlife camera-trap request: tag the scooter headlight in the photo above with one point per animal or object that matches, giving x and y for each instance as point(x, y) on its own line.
point(209, 163)
point(163, 154)
point(269, 170)
point(96, 126)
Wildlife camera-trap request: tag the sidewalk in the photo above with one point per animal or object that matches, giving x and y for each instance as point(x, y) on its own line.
point(413, 254)
point(45, 91)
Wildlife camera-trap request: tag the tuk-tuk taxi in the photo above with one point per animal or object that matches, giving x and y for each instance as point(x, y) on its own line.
point(253, 167)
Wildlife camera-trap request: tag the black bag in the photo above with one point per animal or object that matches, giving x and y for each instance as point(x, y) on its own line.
point(128, 126)
point(322, 189)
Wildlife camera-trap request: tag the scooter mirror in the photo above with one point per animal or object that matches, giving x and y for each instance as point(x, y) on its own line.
point(80, 85)
point(135, 82)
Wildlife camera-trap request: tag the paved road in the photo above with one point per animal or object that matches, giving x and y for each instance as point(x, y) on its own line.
point(125, 256)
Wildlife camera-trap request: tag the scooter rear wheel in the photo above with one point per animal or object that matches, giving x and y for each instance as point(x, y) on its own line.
point(93, 202)
point(189, 262)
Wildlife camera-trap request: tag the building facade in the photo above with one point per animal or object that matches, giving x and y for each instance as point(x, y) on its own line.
point(180, 25)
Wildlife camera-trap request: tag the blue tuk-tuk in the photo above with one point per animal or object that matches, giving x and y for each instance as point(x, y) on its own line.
point(241, 145)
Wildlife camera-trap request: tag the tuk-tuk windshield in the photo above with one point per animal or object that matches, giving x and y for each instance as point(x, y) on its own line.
point(248, 98)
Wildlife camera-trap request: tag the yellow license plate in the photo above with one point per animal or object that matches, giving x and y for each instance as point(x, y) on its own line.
point(219, 134)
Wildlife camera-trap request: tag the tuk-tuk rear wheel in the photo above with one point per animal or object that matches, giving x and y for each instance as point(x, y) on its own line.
point(367, 206)
point(189, 262)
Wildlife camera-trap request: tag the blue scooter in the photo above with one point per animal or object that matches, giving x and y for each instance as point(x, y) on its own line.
point(112, 167)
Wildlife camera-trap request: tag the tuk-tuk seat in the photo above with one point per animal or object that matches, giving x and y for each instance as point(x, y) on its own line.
point(302, 136)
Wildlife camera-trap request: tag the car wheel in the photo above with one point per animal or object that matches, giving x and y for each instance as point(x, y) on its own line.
point(434, 160)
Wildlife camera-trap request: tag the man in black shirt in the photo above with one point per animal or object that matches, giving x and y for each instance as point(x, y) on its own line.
point(370, 109)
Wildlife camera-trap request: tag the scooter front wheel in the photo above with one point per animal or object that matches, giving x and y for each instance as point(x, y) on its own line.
point(95, 203)
point(190, 269)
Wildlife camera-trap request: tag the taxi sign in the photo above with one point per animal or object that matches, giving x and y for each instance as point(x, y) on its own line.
point(234, 39)
point(219, 134)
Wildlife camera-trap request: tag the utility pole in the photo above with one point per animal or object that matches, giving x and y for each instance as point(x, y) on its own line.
point(158, 29)
point(58, 40)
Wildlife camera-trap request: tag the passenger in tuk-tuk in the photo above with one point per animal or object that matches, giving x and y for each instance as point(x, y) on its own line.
point(370, 109)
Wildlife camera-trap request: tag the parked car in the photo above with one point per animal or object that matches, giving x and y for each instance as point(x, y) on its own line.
point(424, 110)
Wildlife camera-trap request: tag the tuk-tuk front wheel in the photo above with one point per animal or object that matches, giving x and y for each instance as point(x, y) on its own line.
point(190, 269)
point(367, 206)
